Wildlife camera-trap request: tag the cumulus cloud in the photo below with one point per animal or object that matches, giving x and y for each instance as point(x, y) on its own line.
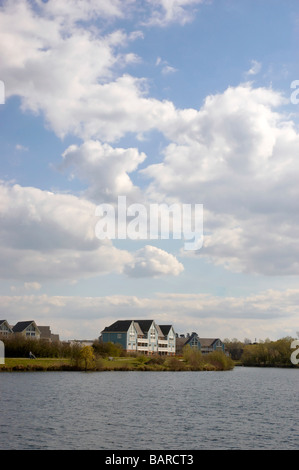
point(45, 235)
point(74, 76)
point(237, 156)
point(105, 169)
point(152, 262)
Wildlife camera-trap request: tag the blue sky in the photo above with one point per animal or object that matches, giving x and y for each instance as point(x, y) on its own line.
point(184, 101)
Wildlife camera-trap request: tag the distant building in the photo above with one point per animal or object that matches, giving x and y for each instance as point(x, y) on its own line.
point(205, 345)
point(211, 344)
point(143, 336)
point(5, 329)
point(81, 342)
point(191, 340)
point(47, 335)
point(27, 329)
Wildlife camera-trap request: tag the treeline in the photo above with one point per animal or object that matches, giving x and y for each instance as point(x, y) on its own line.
point(18, 346)
point(265, 353)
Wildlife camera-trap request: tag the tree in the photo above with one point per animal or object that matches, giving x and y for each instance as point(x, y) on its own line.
point(87, 355)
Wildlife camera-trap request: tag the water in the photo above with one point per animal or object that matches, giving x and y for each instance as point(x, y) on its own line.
point(247, 408)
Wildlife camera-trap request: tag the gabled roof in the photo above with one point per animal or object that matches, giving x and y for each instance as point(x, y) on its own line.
point(22, 325)
point(144, 324)
point(180, 342)
point(119, 326)
point(205, 342)
point(165, 329)
point(5, 321)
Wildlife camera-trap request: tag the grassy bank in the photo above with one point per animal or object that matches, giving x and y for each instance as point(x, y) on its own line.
point(139, 363)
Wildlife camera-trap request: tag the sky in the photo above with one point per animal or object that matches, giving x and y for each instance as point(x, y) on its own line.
point(185, 102)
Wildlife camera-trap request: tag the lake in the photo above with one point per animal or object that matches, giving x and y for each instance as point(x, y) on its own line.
point(246, 408)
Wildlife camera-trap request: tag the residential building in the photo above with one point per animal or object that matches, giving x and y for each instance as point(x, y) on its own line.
point(144, 336)
point(28, 329)
point(211, 344)
point(5, 329)
point(47, 335)
point(191, 340)
point(205, 345)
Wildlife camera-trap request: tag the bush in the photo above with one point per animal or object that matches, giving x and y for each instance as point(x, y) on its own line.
point(108, 349)
point(219, 360)
point(175, 364)
point(193, 358)
point(156, 360)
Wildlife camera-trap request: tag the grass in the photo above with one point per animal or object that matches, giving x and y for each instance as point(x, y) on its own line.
point(139, 363)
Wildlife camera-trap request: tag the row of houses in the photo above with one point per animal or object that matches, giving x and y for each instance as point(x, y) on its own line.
point(27, 329)
point(147, 337)
point(143, 336)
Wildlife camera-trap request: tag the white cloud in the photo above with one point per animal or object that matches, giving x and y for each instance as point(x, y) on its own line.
point(165, 12)
point(105, 169)
point(255, 68)
point(237, 156)
point(83, 10)
point(46, 236)
point(153, 262)
point(270, 314)
point(21, 148)
point(74, 76)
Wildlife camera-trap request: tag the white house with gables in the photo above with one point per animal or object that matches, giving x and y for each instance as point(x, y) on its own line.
point(144, 336)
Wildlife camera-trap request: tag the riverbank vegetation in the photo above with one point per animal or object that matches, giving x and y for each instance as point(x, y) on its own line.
point(102, 357)
point(265, 353)
point(64, 356)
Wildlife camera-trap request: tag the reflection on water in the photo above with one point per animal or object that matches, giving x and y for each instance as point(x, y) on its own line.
point(247, 408)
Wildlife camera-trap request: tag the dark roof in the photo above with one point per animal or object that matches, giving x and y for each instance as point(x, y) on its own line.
point(144, 324)
point(21, 325)
point(207, 341)
point(165, 329)
point(181, 341)
point(120, 325)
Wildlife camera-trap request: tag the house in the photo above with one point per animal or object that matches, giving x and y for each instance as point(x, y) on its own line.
point(143, 336)
point(211, 344)
point(28, 329)
point(5, 328)
point(47, 335)
point(191, 340)
point(205, 345)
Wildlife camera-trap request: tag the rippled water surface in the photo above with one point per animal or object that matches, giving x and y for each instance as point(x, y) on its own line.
point(247, 408)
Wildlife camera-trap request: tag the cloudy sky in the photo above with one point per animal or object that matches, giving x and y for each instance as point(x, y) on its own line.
point(159, 101)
